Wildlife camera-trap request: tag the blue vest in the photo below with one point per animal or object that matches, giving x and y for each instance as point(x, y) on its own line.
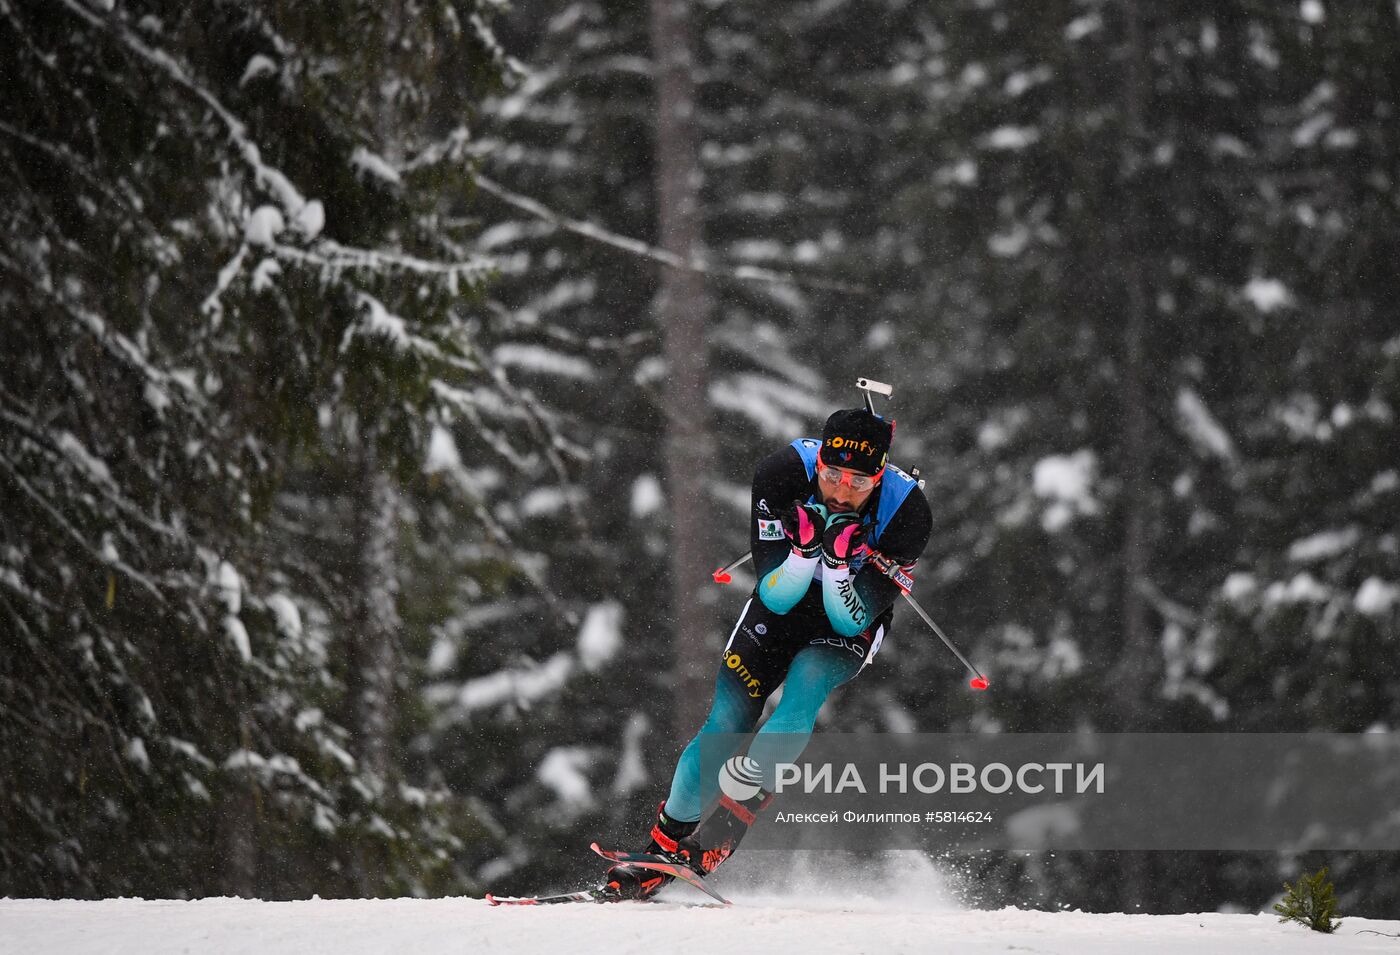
point(894, 488)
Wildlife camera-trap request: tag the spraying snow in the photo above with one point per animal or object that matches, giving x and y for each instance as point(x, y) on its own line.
point(829, 881)
point(455, 926)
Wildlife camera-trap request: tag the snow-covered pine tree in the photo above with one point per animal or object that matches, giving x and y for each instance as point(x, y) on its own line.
point(1302, 613)
point(1244, 201)
point(573, 132)
point(226, 275)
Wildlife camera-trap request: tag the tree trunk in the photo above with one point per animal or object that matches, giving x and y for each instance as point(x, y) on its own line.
point(1134, 672)
point(238, 828)
point(1136, 664)
point(683, 309)
point(379, 619)
point(371, 645)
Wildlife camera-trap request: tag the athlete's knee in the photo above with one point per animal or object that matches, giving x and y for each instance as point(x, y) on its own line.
point(796, 712)
point(727, 723)
point(730, 715)
point(810, 681)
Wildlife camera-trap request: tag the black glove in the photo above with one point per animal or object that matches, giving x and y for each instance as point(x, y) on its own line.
point(843, 539)
point(803, 524)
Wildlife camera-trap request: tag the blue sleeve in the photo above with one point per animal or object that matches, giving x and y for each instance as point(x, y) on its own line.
point(844, 607)
point(783, 577)
point(781, 589)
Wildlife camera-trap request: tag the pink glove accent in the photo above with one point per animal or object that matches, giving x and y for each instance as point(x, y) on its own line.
point(804, 533)
point(842, 544)
point(842, 541)
point(806, 530)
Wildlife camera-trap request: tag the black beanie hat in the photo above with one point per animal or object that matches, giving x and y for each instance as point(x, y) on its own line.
point(856, 439)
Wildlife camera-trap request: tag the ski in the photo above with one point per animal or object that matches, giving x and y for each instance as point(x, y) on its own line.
point(662, 864)
point(598, 895)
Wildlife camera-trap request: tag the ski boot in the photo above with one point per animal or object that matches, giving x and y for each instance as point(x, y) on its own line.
point(668, 837)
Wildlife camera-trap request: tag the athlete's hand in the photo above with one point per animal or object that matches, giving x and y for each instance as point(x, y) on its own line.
point(803, 524)
point(843, 538)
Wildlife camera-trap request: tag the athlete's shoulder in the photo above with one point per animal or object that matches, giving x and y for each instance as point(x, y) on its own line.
point(785, 462)
point(911, 524)
point(902, 475)
point(916, 500)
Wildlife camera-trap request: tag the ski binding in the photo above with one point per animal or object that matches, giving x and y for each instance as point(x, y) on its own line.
point(659, 863)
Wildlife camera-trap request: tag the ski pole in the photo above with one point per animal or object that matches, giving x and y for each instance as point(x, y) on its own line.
point(978, 681)
point(901, 580)
point(905, 583)
point(721, 576)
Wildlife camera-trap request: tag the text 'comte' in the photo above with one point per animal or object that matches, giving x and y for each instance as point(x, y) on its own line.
point(994, 778)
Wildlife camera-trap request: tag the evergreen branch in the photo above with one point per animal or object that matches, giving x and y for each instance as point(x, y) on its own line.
point(33, 493)
point(268, 177)
point(470, 407)
point(595, 233)
point(11, 578)
point(450, 147)
point(546, 437)
point(59, 677)
point(84, 170)
point(213, 305)
point(46, 60)
point(327, 254)
point(104, 484)
point(116, 344)
point(333, 256)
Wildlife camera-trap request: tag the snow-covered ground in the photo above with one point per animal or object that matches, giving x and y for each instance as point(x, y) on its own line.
point(784, 903)
point(471, 927)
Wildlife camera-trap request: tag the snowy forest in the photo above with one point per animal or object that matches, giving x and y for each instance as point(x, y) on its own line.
point(382, 381)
